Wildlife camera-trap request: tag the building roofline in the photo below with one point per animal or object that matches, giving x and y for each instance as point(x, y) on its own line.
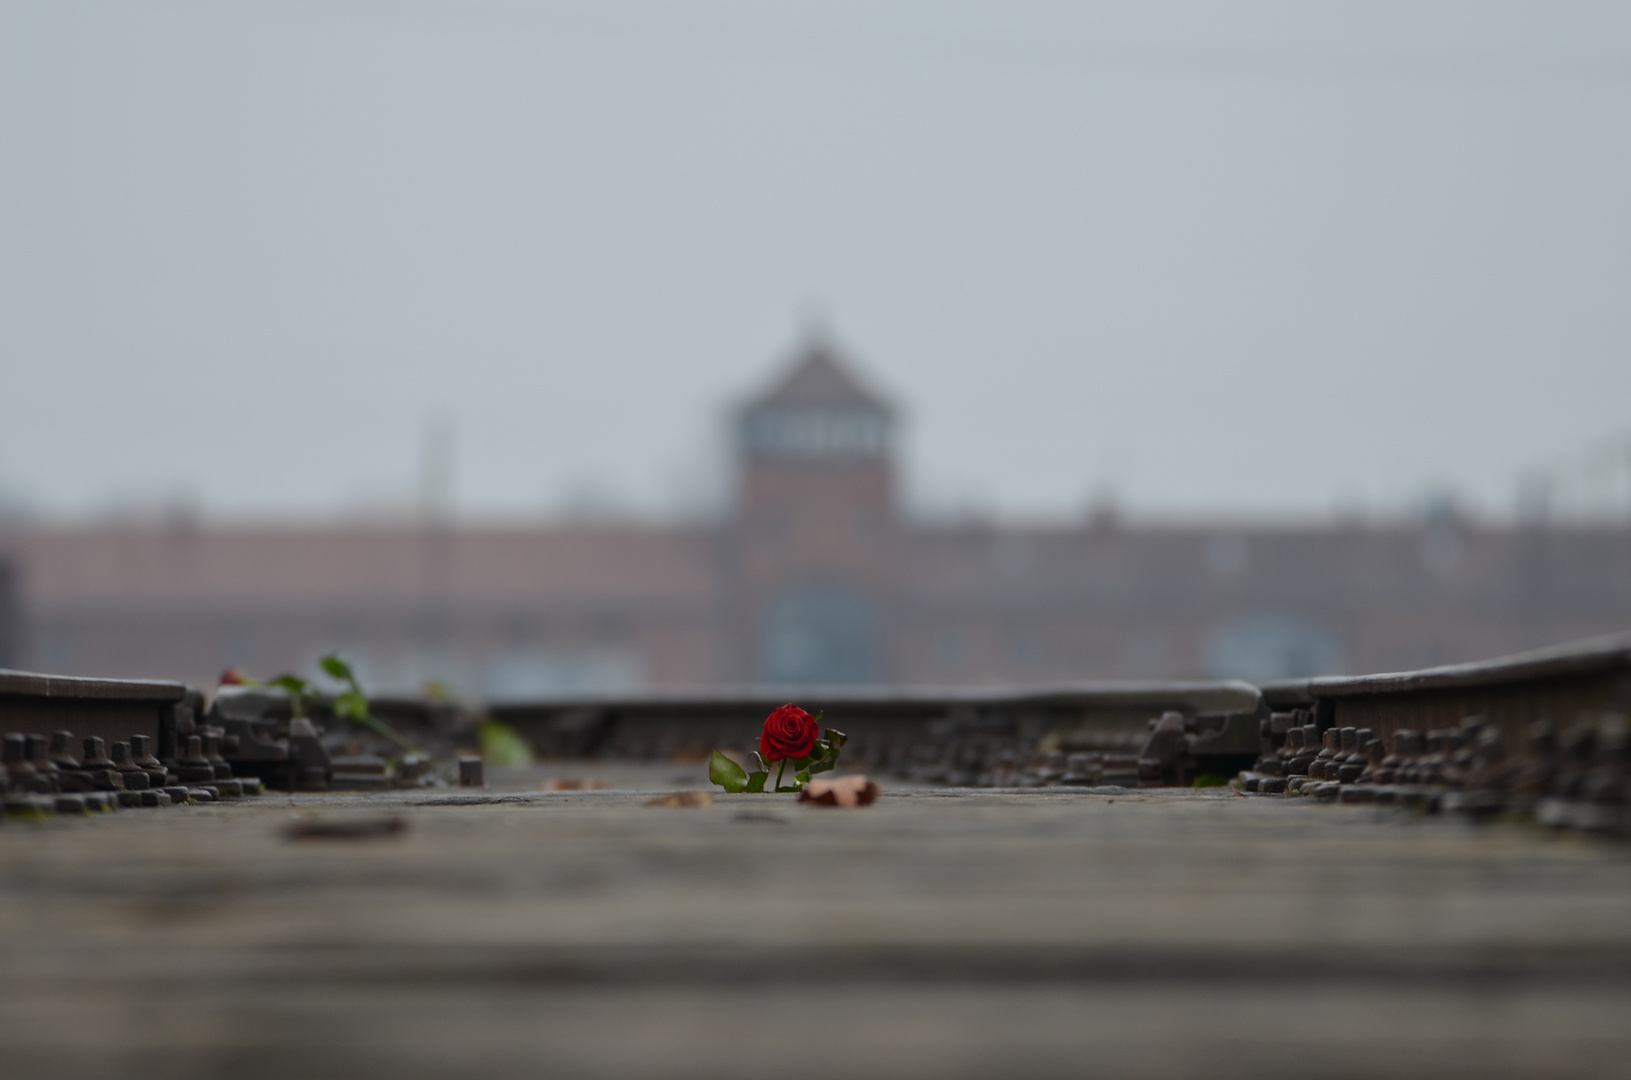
point(818, 373)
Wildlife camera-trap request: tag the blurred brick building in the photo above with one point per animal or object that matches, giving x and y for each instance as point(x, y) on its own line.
point(814, 576)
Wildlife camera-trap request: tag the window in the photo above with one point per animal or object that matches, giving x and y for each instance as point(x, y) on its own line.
point(816, 433)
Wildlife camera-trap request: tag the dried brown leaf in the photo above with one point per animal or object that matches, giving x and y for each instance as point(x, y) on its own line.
point(684, 800)
point(571, 783)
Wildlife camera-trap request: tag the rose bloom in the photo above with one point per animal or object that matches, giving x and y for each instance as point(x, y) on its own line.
point(790, 732)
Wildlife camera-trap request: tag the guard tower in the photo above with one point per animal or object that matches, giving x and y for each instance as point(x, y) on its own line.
point(815, 523)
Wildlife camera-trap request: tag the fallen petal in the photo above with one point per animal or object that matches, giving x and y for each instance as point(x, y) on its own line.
point(840, 791)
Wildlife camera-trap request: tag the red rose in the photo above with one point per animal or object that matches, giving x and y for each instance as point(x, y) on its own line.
point(790, 732)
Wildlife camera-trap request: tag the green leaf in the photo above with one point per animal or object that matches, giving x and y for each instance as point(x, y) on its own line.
point(335, 668)
point(835, 741)
point(501, 745)
point(764, 766)
point(351, 706)
point(293, 684)
point(756, 781)
point(727, 774)
point(298, 691)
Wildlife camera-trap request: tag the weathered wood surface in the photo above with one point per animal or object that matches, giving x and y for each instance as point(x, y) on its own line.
point(938, 933)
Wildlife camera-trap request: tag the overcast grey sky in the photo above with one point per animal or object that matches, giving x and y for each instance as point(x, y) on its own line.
point(1262, 259)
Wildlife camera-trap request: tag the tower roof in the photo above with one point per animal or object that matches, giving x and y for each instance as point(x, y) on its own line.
point(818, 376)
